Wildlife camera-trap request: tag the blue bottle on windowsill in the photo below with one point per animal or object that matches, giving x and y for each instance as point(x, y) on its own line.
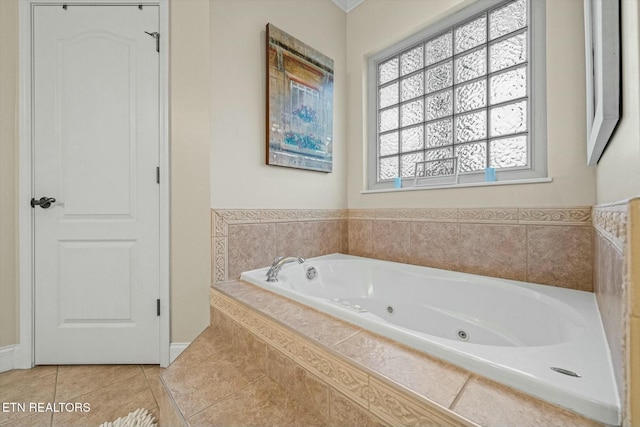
point(490, 174)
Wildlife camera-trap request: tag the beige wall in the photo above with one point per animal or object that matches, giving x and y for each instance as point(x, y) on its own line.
point(8, 171)
point(239, 176)
point(376, 24)
point(190, 170)
point(618, 172)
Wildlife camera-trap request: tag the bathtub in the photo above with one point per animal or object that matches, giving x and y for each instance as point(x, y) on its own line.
point(543, 340)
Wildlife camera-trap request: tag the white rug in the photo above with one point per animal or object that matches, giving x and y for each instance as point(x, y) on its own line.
point(138, 418)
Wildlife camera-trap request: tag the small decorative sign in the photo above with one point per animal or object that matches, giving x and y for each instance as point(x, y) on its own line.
point(436, 172)
point(299, 104)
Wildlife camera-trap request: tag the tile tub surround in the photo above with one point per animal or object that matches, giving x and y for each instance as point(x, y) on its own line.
point(552, 246)
point(245, 239)
point(616, 285)
point(633, 273)
point(383, 380)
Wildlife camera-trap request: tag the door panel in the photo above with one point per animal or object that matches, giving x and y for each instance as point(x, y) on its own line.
point(101, 291)
point(96, 128)
point(97, 176)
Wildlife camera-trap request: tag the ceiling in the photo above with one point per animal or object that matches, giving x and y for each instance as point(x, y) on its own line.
point(347, 5)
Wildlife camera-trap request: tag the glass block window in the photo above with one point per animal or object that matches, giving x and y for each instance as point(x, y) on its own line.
point(462, 91)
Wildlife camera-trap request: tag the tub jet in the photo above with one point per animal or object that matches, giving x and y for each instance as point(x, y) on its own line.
point(311, 273)
point(565, 372)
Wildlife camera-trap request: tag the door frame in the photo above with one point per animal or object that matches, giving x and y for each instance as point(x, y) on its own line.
point(24, 353)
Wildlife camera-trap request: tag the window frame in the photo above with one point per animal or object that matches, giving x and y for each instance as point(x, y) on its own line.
point(536, 93)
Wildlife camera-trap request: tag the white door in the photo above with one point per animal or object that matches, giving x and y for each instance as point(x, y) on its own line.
point(95, 145)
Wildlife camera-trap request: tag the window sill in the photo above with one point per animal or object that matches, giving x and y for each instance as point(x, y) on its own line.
point(467, 185)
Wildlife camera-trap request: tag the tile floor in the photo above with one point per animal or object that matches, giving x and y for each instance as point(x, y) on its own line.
point(111, 391)
point(215, 383)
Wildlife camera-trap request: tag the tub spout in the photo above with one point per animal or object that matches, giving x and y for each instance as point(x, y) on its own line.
point(272, 274)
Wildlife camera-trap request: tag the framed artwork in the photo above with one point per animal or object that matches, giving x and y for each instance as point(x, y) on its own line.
point(602, 45)
point(299, 104)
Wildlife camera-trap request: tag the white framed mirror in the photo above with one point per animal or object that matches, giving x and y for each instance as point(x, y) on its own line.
point(602, 53)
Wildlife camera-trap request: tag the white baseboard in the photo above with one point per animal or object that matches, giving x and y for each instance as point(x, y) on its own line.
point(9, 353)
point(175, 349)
point(7, 358)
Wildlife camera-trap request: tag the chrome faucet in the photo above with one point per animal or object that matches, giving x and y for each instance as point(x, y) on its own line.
point(272, 274)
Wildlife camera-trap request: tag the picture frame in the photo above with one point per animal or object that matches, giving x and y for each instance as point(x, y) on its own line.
point(602, 54)
point(299, 104)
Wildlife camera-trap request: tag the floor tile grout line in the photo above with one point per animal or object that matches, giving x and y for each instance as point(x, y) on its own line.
point(55, 393)
point(146, 379)
point(456, 399)
point(103, 385)
point(26, 371)
point(345, 339)
point(223, 398)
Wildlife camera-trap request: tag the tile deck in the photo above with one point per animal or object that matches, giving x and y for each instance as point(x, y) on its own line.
point(390, 383)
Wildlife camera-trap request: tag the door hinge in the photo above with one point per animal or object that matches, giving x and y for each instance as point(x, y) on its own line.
point(155, 35)
point(158, 307)
point(158, 175)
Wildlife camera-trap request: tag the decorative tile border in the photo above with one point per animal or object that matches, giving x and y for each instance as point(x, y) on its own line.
point(222, 218)
point(580, 215)
point(395, 405)
point(502, 216)
point(441, 215)
point(342, 377)
point(400, 409)
point(220, 258)
point(611, 222)
point(559, 216)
